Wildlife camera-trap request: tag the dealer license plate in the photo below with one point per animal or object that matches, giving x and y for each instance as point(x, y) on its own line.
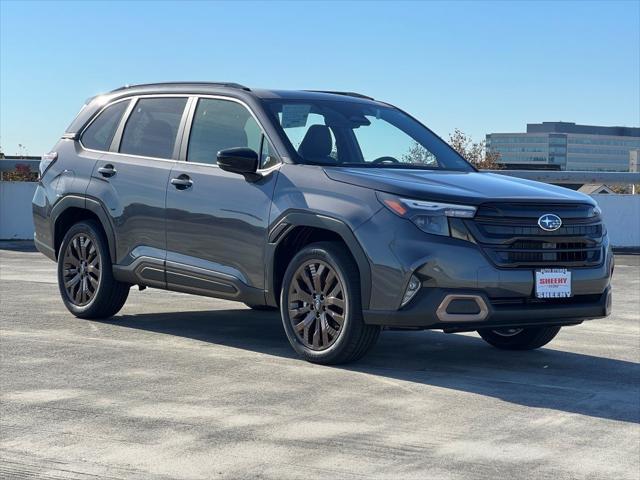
point(553, 283)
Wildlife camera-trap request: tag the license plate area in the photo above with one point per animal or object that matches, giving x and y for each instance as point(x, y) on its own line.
point(553, 283)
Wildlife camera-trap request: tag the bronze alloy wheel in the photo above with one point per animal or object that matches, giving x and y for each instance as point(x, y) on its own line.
point(317, 307)
point(81, 269)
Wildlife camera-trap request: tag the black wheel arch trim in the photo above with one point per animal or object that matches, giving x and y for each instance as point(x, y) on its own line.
point(296, 218)
point(92, 205)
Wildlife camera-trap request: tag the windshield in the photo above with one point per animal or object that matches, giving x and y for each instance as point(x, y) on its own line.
point(344, 133)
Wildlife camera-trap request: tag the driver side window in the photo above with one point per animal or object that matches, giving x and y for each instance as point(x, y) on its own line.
point(218, 125)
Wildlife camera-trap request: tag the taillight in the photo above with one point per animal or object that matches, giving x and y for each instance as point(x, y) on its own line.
point(47, 160)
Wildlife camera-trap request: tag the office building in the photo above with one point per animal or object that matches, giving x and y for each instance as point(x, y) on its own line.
point(567, 146)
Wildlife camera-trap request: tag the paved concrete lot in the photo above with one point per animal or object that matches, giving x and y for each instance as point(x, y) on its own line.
point(188, 387)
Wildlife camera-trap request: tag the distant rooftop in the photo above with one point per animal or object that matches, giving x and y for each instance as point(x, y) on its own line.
point(570, 127)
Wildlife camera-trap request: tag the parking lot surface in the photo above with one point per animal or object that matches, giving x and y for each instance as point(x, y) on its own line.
point(179, 386)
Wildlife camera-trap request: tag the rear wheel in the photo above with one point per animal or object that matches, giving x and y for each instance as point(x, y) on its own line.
point(85, 278)
point(321, 306)
point(519, 338)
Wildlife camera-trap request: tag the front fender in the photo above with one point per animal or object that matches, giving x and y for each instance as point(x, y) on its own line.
point(295, 218)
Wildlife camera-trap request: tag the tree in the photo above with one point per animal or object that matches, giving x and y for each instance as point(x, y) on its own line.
point(475, 152)
point(22, 173)
point(625, 189)
point(418, 154)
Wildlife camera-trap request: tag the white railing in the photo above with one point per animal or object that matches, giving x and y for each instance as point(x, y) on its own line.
point(16, 220)
point(621, 213)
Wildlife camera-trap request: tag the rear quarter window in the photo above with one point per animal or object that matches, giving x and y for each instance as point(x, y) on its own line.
point(99, 134)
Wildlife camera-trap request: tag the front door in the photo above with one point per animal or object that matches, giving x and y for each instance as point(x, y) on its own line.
point(217, 221)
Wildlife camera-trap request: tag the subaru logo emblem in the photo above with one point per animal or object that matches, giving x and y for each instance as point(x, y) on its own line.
point(549, 222)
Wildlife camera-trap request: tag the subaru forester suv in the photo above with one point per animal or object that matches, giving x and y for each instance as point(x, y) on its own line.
point(344, 212)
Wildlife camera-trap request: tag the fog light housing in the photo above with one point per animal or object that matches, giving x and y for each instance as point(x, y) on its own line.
point(412, 288)
point(434, 225)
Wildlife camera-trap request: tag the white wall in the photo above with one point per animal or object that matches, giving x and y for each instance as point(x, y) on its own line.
point(621, 215)
point(16, 221)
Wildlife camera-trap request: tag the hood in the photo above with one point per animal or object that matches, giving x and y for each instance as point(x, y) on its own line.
point(470, 188)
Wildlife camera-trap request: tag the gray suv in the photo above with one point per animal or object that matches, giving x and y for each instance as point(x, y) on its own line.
point(344, 212)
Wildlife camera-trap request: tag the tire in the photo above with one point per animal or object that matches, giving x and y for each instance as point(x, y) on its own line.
point(328, 314)
point(262, 308)
point(519, 338)
point(87, 291)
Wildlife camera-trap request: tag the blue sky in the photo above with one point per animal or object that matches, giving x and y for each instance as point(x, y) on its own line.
point(478, 66)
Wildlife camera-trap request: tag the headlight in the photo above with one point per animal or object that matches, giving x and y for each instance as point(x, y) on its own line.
point(430, 217)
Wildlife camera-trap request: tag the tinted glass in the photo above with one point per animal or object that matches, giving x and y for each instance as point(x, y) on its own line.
point(361, 134)
point(296, 132)
point(394, 141)
point(99, 134)
point(218, 125)
point(152, 127)
point(268, 157)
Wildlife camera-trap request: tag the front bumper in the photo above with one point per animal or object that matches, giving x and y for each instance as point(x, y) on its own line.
point(445, 266)
point(423, 311)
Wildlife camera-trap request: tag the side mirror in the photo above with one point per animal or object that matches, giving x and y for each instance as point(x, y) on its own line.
point(240, 160)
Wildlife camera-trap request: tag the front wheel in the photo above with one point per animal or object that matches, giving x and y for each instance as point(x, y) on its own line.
point(321, 306)
point(519, 338)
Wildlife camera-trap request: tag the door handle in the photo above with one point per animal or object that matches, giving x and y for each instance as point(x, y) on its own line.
point(107, 171)
point(182, 182)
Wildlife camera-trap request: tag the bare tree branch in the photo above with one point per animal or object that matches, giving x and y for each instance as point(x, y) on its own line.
point(475, 152)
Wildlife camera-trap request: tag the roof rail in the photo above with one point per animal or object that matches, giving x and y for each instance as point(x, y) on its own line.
point(347, 94)
point(217, 84)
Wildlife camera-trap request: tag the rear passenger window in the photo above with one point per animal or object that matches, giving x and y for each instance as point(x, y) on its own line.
point(99, 134)
point(218, 125)
point(152, 127)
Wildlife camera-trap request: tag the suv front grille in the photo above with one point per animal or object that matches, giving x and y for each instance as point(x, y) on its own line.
point(511, 237)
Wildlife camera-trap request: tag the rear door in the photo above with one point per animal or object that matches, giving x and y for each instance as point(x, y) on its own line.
point(131, 181)
point(216, 220)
